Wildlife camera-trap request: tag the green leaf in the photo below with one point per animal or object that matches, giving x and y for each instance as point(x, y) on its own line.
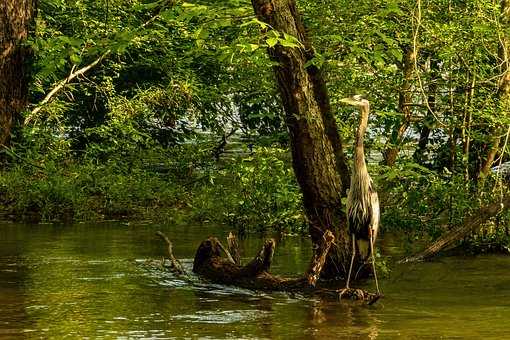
point(75, 59)
point(271, 42)
point(255, 21)
point(287, 43)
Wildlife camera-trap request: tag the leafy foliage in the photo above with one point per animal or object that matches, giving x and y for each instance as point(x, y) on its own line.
point(142, 129)
point(267, 196)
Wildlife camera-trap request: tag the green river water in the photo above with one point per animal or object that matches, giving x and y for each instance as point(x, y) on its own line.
point(93, 281)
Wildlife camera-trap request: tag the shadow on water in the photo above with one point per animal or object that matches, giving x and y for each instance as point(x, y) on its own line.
point(95, 281)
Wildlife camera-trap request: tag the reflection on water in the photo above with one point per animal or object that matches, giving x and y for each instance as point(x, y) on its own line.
point(94, 281)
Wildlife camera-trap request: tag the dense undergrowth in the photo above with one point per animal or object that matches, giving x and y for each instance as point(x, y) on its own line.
point(251, 192)
point(255, 192)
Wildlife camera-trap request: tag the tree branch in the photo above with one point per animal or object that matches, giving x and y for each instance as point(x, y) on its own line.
point(175, 265)
point(471, 224)
point(61, 84)
point(233, 247)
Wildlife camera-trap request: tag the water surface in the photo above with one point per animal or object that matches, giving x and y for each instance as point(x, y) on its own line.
point(94, 281)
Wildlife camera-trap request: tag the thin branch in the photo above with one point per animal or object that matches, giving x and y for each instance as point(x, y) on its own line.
point(61, 84)
point(175, 265)
point(227, 253)
point(415, 52)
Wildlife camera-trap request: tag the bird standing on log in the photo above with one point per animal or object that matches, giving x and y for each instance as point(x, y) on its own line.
point(362, 200)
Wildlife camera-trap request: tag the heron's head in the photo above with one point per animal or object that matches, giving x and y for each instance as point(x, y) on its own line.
point(356, 100)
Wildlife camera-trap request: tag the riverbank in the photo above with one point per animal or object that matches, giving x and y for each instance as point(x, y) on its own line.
point(253, 192)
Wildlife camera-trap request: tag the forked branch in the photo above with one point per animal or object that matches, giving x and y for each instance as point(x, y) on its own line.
point(209, 264)
point(61, 84)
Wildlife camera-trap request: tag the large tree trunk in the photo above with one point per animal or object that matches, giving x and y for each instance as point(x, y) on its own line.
point(317, 155)
point(321, 95)
point(15, 19)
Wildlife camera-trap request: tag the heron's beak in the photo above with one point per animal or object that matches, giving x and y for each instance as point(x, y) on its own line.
point(349, 101)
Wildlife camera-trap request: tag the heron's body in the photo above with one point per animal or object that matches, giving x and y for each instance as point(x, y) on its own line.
point(363, 217)
point(362, 201)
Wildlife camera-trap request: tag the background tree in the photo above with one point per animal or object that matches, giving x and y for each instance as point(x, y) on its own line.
point(15, 21)
point(503, 63)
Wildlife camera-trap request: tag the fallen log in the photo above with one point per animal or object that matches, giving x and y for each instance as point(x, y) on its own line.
point(211, 265)
point(472, 224)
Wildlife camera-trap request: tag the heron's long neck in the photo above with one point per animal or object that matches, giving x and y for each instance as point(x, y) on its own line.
point(359, 150)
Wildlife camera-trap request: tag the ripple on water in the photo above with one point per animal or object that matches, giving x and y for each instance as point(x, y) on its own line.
point(221, 317)
point(44, 292)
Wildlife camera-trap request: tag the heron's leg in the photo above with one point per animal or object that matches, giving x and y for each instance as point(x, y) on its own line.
point(352, 260)
point(373, 261)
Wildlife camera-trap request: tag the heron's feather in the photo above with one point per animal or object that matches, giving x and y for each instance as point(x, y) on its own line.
point(376, 215)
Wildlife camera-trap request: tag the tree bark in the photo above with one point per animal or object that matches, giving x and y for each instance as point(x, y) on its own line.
point(317, 154)
point(321, 95)
point(15, 20)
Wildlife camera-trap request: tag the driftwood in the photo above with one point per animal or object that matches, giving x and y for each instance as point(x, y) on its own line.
point(209, 264)
point(175, 265)
point(472, 224)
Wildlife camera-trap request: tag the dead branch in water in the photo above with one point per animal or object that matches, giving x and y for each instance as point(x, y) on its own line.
point(472, 224)
point(319, 258)
point(209, 264)
point(175, 265)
